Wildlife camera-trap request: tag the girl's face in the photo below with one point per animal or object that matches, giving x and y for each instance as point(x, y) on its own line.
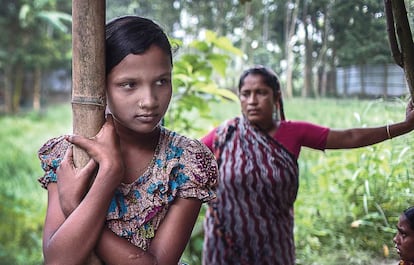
point(257, 101)
point(404, 240)
point(139, 90)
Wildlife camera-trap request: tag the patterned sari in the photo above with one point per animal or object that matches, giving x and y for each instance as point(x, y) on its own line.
point(251, 220)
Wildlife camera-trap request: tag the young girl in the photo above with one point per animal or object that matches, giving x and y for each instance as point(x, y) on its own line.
point(150, 182)
point(404, 239)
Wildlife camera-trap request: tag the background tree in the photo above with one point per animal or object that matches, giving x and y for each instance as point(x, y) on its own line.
point(403, 49)
point(37, 39)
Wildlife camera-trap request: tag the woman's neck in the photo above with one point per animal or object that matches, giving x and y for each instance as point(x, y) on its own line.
point(269, 128)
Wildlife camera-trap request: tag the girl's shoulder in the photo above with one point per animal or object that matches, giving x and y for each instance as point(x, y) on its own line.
point(172, 139)
point(50, 155)
point(192, 160)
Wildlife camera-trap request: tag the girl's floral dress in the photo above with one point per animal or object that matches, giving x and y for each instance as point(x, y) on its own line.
point(181, 168)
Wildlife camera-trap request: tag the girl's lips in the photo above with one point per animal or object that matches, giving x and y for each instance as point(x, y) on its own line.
point(146, 117)
point(398, 249)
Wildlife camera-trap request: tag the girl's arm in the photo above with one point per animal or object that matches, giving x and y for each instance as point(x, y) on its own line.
point(166, 247)
point(70, 235)
point(71, 240)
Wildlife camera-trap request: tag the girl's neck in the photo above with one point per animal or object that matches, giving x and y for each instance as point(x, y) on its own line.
point(402, 262)
point(129, 138)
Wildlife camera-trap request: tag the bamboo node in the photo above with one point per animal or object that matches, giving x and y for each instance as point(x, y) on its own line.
point(81, 100)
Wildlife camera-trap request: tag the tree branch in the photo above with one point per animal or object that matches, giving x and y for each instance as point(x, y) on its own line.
point(395, 51)
point(405, 39)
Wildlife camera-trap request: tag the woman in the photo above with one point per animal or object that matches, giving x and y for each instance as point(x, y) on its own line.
point(251, 221)
point(404, 239)
point(150, 181)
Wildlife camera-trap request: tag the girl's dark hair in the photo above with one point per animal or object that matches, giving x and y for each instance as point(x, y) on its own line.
point(132, 34)
point(409, 214)
point(269, 78)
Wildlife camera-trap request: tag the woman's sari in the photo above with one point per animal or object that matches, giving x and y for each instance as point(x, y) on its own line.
point(251, 220)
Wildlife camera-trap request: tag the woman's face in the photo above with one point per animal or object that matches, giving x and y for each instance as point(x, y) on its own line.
point(139, 90)
point(257, 101)
point(404, 240)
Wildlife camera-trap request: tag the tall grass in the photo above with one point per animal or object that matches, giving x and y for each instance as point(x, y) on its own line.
point(23, 200)
point(349, 200)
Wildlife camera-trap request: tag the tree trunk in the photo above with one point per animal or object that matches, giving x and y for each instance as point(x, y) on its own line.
point(37, 85)
point(88, 75)
point(406, 41)
point(18, 82)
point(403, 50)
point(7, 90)
point(247, 16)
point(290, 26)
point(307, 84)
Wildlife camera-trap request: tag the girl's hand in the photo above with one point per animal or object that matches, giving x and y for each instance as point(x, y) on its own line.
point(105, 150)
point(73, 183)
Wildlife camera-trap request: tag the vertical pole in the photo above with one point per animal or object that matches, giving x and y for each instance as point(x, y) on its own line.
point(88, 70)
point(88, 75)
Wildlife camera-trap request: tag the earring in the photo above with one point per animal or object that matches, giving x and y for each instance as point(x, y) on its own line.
point(275, 114)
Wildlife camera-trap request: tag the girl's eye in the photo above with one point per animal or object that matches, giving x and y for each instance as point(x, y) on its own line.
point(162, 82)
point(127, 85)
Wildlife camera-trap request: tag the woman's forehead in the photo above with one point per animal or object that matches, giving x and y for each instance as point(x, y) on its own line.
point(254, 81)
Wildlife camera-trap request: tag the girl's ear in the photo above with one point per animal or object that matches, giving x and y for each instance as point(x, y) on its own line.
point(107, 111)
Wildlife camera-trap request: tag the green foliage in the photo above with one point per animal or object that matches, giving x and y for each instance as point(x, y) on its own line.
point(23, 200)
point(363, 190)
point(194, 82)
point(366, 18)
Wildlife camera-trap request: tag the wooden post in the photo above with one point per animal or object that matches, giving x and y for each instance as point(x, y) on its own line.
point(88, 69)
point(88, 75)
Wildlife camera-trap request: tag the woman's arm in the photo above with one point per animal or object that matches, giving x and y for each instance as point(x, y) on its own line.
point(166, 247)
point(208, 139)
point(359, 137)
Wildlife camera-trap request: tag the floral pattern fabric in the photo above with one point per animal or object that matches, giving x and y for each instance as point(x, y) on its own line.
point(181, 168)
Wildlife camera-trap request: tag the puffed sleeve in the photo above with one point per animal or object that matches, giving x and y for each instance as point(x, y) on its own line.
point(50, 155)
point(201, 170)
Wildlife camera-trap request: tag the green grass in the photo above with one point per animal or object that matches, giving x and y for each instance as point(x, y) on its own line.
point(23, 200)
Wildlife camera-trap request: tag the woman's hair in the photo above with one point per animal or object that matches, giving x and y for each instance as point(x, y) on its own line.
point(132, 35)
point(269, 78)
point(409, 214)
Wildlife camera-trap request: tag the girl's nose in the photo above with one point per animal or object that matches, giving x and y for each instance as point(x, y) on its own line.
point(148, 100)
point(395, 239)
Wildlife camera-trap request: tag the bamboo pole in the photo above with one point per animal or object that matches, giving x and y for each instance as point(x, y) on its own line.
point(88, 75)
point(88, 69)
